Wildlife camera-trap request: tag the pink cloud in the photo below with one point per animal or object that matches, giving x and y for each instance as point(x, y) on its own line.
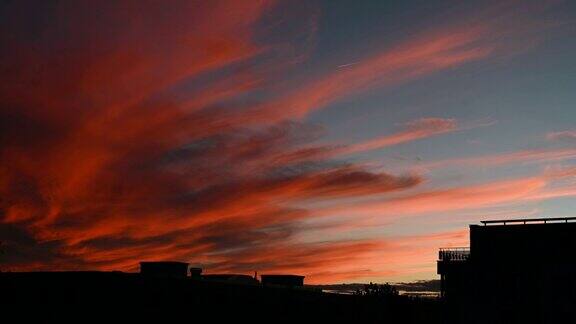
point(442, 200)
point(524, 156)
point(102, 166)
point(414, 130)
point(568, 135)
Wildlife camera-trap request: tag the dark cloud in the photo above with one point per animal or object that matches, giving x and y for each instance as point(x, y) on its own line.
point(20, 248)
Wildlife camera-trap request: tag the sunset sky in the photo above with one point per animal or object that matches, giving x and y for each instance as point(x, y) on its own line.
point(342, 140)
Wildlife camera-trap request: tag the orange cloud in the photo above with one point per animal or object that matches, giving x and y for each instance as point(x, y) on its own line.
point(130, 131)
point(497, 193)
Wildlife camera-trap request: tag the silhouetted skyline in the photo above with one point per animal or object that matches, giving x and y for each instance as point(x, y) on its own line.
point(161, 292)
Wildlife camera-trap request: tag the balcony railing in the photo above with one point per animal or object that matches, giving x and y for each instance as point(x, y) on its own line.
point(454, 254)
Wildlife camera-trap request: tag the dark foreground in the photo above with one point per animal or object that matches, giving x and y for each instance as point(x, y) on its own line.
point(113, 297)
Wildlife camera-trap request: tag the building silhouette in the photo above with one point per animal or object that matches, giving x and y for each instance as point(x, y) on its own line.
point(283, 280)
point(515, 271)
point(163, 293)
point(172, 269)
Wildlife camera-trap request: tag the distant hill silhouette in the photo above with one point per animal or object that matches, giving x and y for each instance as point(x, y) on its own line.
point(425, 288)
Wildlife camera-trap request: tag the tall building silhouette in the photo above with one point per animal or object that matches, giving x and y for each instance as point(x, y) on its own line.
point(515, 271)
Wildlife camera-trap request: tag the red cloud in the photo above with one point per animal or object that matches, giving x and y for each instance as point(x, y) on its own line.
point(129, 131)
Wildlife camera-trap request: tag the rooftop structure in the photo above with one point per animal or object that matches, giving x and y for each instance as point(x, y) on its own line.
point(195, 273)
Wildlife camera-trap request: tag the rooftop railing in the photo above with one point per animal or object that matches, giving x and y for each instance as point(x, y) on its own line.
point(454, 254)
point(530, 221)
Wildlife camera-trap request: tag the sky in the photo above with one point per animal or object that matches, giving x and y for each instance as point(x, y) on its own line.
point(342, 140)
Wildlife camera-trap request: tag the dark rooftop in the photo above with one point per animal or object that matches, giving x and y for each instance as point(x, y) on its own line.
point(529, 221)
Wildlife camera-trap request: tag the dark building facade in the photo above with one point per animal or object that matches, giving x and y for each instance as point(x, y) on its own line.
point(171, 269)
point(515, 271)
point(283, 280)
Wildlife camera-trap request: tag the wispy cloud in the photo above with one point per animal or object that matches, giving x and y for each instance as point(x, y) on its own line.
point(154, 132)
point(568, 135)
point(522, 156)
point(463, 198)
point(417, 129)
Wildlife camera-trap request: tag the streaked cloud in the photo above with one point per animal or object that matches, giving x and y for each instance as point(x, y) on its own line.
point(138, 130)
point(522, 156)
point(568, 135)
